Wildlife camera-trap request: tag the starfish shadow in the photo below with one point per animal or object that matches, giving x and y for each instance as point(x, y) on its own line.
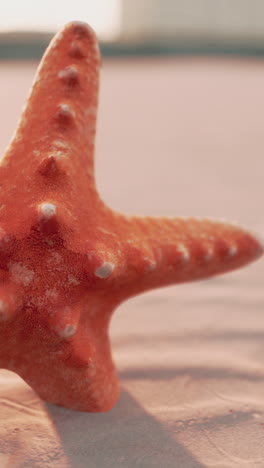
point(125, 436)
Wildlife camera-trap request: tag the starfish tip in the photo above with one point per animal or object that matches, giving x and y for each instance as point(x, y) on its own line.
point(80, 33)
point(80, 28)
point(260, 242)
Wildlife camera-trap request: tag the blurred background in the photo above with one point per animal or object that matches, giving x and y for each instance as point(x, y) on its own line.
point(133, 27)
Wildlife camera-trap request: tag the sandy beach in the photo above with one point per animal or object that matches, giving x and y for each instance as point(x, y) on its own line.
point(178, 136)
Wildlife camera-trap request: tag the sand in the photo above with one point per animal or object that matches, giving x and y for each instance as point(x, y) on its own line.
point(177, 136)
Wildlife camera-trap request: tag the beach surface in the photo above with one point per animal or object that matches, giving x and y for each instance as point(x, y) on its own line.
point(178, 136)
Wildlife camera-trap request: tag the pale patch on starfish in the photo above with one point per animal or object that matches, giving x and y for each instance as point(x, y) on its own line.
point(20, 273)
point(51, 293)
point(184, 253)
point(55, 257)
point(60, 153)
point(131, 241)
point(49, 242)
point(60, 144)
point(105, 270)
point(72, 280)
point(104, 231)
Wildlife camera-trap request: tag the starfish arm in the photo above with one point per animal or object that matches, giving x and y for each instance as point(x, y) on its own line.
point(60, 114)
point(53, 146)
point(77, 370)
point(163, 251)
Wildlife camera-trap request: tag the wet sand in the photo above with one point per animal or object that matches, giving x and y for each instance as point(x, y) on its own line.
point(176, 136)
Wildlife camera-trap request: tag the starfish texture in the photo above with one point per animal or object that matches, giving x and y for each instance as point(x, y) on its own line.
point(66, 259)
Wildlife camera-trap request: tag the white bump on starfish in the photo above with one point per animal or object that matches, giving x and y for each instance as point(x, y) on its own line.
point(68, 331)
point(151, 264)
point(232, 251)
point(105, 270)
point(48, 166)
point(184, 253)
point(65, 321)
point(47, 211)
point(208, 254)
point(76, 50)
point(69, 75)
point(65, 113)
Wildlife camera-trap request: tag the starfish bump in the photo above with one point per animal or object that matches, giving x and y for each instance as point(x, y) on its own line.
point(66, 259)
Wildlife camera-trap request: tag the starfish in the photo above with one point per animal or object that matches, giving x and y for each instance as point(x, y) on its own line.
point(66, 259)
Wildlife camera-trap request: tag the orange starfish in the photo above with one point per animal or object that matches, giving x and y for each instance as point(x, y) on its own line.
point(66, 259)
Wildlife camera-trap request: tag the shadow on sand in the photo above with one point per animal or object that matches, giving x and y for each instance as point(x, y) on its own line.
point(127, 436)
